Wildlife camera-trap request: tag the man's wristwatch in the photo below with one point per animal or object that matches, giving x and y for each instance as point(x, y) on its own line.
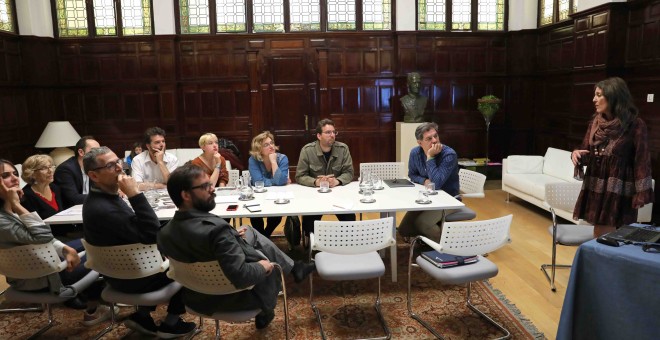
point(219, 166)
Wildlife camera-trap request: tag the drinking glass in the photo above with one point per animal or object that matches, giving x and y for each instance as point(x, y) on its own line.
point(423, 196)
point(377, 182)
point(259, 186)
point(367, 192)
point(430, 188)
point(324, 185)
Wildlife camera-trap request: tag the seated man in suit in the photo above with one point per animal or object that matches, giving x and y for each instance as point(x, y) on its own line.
point(430, 162)
point(153, 164)
point(324, 159)
point(196, 235)
point(73, 182)
point(109, 221)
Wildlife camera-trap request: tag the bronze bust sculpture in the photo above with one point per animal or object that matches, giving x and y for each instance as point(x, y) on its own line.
point(413, 103)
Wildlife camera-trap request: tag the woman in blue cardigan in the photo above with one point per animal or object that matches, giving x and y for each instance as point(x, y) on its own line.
point(272, 168)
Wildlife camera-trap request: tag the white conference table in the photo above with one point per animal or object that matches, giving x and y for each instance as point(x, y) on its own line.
point(308, 201)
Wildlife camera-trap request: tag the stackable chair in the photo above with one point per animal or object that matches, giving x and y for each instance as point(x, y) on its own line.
point(208, 278)
point(471, 185)
point(233, 176)
point(463, 239)
point(563, 196)
point(385, 170)
point(31, 262)
point(348, 251)
point(132, 261)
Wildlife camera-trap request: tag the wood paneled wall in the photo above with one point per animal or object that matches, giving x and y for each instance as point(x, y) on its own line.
point(239, 85)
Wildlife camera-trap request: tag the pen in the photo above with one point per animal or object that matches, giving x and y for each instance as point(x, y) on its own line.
point(251, 205)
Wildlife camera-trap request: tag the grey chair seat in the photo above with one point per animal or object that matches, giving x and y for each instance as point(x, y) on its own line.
point(572, 234)
point(156, 297)
point(233, 316)
point(337, 267)
point(12, 294)
point(480, 270)
point(461, 214)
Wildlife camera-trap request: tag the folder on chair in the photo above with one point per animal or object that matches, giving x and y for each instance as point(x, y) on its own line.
point(398, 183)
point(444, 260)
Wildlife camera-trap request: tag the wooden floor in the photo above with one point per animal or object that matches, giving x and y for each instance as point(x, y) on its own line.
point(520, 277)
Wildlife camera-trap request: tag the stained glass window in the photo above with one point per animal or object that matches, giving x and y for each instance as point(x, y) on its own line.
point(341, 15)
point(432, 14)
point(7, 16)
point(194, 16)
point(546, 11)
point(305, 15)
point(73, 17)
point(376, 15)
point(556, 10)
point(231, 16)
point(463, 15)
point(490, 15)
point(268, 15)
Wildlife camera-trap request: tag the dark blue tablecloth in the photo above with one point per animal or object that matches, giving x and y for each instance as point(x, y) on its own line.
point(612, 293)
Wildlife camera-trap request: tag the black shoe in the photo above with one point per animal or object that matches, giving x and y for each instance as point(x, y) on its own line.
point(142, 323)
point(263, 319)
point(76, 303)
point(180, 328)
point(301, 270)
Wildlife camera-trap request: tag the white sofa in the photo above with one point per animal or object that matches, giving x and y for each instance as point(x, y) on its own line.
point(526, 177)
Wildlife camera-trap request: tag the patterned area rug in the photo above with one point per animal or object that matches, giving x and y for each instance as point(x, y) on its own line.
point(346, 308)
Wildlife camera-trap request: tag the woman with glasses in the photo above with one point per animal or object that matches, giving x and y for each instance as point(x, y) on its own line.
point(211, 161)
point(42, 195)
point(18, 226)
point(268, 166)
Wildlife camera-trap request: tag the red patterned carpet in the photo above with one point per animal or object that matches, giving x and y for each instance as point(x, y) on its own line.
point(347, 311)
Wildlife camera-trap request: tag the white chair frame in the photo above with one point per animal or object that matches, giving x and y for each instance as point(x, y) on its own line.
point(208, 278)
point(30, 262)
point(471, 183)
point(341, 238)
point(385, 170)
point(131, 261)
point(463, 239)
point(563, 196)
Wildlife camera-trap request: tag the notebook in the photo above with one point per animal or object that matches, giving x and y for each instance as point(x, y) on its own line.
point(443, 260)
point(635, 234)
point(398, 183)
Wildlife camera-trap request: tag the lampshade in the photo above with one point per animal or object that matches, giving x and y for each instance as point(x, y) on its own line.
point(58, 134)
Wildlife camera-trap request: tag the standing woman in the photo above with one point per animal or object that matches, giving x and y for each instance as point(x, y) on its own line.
point(211, 161)
point(617, 181)
point(267, 165)
point(40, 194)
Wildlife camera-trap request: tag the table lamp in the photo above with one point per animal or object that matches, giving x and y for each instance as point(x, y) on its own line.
point(59, 135)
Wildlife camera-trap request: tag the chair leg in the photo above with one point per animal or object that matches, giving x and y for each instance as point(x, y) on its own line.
point(21, 309)
point(553, 266)
point(50, 324)
point(383, 323)
point(217, 329)
point(113, 323)
point(468, 301)
point(409, 295)
point(198, 329)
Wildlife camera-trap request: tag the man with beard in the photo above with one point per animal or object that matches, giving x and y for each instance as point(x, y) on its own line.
point(109, 221)
point(196, 235)
point(153, 164)
point(324, 159)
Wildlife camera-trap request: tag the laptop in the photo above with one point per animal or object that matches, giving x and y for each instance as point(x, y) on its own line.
point(629, 233)
point(398, 183)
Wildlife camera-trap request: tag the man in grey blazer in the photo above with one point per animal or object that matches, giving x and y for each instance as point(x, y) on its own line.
point(196, 235)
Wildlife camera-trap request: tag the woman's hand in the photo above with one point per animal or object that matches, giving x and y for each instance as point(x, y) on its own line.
point(273, 158)
point(11, 195)
point(217, 159)
point(576, 155)
point(71, 257)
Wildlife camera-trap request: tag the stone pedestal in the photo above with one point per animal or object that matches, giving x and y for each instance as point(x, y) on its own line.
point(405, 141)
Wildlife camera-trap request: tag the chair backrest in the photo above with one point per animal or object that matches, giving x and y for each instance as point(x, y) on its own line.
point(562, 195)
point(202, 277)
point(353, 237)
point(19, 168)
point(468, 238)
point(30, 261)
point(233, 176)
point(471, 183)
point(385, 170)
point(131, 261)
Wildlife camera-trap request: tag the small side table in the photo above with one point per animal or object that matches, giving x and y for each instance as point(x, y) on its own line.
point(492, 170)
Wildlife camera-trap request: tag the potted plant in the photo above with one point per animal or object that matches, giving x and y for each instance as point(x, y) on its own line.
point(488, 105)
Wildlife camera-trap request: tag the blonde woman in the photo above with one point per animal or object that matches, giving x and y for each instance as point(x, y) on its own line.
point(267, 165)
point(211, 161)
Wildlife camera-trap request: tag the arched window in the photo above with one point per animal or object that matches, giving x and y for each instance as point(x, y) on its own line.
point(461, 15)
point(8, 16)
point(551, 11)
point(273, 16)
point(102, 18)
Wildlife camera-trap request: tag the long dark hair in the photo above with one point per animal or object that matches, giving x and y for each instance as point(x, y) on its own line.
point(619, 100)
point(135, 145)
point(2, 163)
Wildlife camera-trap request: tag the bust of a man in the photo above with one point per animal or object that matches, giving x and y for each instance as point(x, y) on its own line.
point(413, 103)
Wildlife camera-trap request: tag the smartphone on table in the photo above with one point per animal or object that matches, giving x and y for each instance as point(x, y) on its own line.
point(232, 207)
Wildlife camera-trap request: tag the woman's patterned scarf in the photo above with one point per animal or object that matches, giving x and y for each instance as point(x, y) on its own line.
point(603, 130)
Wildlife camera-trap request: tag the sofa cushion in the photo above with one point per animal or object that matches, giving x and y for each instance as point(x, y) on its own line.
point(531, 184)
point(558, 164)
point(524, 164)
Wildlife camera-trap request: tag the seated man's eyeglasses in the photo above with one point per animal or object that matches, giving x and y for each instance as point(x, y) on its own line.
point(110, 165)
point(335, 132)
point(203, 186)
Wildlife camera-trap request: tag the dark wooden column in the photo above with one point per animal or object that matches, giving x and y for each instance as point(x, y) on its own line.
point(256, 123)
